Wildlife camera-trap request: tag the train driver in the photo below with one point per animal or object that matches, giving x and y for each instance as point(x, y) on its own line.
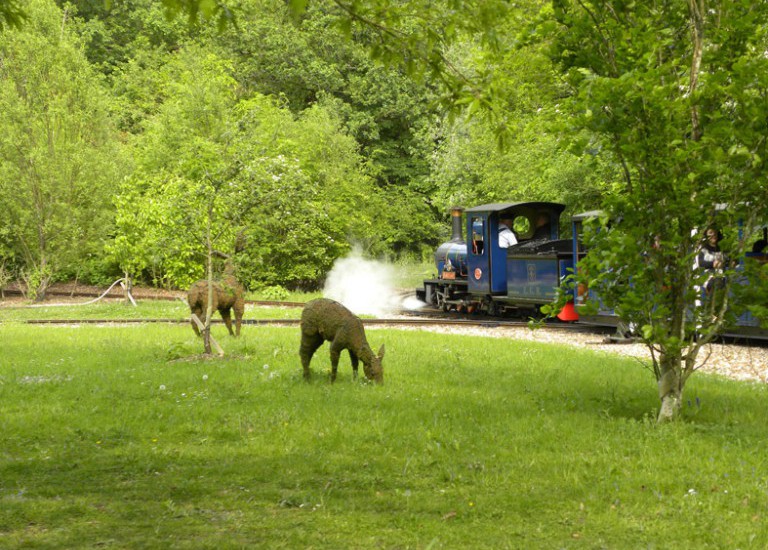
point(507, 237)
point(542, 226)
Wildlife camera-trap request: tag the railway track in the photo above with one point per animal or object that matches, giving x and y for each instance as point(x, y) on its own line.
point(425, 317)
point(403, 319)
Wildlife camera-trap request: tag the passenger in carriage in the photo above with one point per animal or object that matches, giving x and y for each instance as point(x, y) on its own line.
point(711, 259)
point(710, 256)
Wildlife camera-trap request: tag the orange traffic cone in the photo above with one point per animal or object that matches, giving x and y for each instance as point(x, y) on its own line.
point(568, 313)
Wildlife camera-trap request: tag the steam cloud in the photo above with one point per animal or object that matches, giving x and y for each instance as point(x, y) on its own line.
point(363, 286)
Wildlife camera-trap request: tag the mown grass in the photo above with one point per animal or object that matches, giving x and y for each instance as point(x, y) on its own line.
point(124, 437)
point(144, 309)
point(286, 296)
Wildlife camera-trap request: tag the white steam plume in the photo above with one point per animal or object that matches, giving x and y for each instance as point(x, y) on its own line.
point(363, 286)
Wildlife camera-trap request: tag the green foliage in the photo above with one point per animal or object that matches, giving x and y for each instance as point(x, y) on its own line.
point(470, 169)
point(751, 290)
point(386, 112)
point(115, 33)
point(502, 137)
point(201, 10)
point(58, 151)
point(36, 279)
point(11, 14)
point(294, 186)
point(6, 276)
point(663, 88)
point(135, 439)
point(379, 106)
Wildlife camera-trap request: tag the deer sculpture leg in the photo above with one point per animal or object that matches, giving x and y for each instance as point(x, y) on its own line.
point(336, 349)
point(225, 314)
point(309, 345)
point(355, 362)
point(239, 309)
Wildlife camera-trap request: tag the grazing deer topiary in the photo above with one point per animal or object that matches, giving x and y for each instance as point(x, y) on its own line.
point(324, 319)
point(228, 294)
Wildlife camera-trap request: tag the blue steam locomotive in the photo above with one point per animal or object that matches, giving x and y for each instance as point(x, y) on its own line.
point(479, 275)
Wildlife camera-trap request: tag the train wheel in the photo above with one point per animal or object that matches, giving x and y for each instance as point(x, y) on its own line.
point(439, 299)
point(431, 294)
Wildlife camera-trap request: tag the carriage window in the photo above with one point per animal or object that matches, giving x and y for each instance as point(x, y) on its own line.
point(478, 230)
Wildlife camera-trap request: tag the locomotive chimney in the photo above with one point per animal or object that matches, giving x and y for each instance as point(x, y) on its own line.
point(456, 212)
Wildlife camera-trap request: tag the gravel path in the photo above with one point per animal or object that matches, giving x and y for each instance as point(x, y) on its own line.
point(736, 361)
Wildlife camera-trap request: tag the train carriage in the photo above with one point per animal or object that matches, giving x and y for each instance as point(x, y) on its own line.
point(599, 314)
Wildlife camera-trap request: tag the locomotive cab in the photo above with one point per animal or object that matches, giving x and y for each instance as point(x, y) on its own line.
point(486, 260)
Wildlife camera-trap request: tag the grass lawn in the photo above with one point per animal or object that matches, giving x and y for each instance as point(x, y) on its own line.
point(124, 437)
point(145, 309)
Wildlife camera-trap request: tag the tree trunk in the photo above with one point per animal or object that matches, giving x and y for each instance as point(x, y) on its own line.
point(670, 385)
point(209, 276)
point(209, 308)
point(40, 281)
point(127, 288)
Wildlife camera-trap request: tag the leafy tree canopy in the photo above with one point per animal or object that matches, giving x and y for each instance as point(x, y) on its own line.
point(675, 93)
point(12, 14)
point(293, 186)
point(58, 151)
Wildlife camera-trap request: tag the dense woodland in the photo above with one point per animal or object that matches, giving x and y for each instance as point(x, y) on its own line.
point(123, 127)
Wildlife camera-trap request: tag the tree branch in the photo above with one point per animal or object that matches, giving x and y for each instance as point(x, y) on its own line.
point(697, 30)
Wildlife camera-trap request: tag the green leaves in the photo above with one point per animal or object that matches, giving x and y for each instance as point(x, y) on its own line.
point(211, 158)
point(58, 150)
point(298, 7)
point(682, 123)
point(11, 14)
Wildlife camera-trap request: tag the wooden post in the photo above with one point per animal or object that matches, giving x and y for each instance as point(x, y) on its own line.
point(200, 324)
point(127, 290)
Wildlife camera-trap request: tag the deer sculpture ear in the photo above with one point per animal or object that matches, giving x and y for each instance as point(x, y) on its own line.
point(381, 352)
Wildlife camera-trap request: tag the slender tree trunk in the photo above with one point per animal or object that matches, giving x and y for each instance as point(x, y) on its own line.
point(41, 281)
point(697, 10)
point(671, 379)
point(670, 385)
point(128, 288)
point(209, 263)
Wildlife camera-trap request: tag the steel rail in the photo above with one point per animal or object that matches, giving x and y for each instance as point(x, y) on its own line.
point(119, 295)
point(424, 317)
point(477, 323)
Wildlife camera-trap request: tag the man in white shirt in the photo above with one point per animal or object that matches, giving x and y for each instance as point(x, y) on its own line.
point(506, 235)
